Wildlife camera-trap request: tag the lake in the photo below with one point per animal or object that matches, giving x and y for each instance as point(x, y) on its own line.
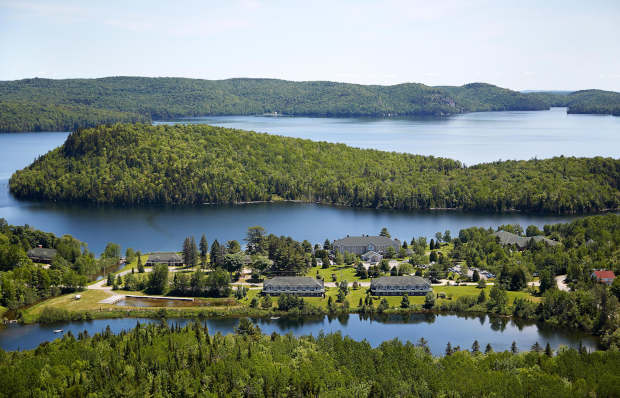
point(438, 330)
point(471, 138)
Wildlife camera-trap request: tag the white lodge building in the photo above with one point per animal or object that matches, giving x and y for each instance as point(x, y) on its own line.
point(363, 244)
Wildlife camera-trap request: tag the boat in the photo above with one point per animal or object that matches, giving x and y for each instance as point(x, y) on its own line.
point(274, 318)
point(58, 331)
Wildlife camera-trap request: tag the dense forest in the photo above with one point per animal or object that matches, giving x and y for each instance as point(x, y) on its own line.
point(23, 283)
point(170, 361)
point(594, 101)
point(43, 104)
point(194, 164)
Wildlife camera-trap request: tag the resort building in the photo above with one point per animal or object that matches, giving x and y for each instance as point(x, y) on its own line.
point(41, 255)
point(399, 286)
point(521, 242)
point(604, 276)
point(170, 259)
point(296, 285)
point(362, 244)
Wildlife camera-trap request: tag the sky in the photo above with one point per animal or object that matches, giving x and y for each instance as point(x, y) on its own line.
point(546, 45)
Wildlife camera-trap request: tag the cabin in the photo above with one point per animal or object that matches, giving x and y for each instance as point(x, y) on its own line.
point(399, 286)
point(362, 244)
point(521, 242)
point(372, 257)
point(170, 259)
point(295, 285)
point(604, 276)
point(41, 255)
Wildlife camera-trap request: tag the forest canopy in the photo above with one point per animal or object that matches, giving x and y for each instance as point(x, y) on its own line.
point(44, 104)
point(165, 361)
point(194, 164)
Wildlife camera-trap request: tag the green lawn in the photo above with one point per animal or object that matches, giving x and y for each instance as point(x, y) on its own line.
point(343, 272)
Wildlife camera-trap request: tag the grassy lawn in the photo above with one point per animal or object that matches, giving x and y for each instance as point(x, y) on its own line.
point(89, 301)
point(343, 272)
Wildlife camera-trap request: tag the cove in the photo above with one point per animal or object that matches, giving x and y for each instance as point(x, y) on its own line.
point(438, 330)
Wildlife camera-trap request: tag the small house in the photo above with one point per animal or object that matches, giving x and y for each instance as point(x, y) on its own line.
point(399, 286)
point(170, 259)
point(604, 276)
point(295, 285)
point(372, 257)
point(41, 255)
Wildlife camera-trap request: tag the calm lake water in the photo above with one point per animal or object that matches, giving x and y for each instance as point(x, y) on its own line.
point(471, 138)
point(437, 329)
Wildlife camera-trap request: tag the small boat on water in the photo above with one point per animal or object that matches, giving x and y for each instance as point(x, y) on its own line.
point(274, 317)
point(58, 331)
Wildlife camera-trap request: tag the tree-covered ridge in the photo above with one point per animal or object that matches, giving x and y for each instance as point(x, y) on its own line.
point(140, 98)
point(164, 361)
point(594, 101)
point(195, 164)
point(29, 116)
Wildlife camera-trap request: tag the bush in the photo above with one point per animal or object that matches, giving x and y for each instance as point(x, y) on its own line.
point(52, 314)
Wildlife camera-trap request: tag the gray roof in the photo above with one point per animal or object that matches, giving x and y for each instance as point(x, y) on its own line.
point(164, 258)
point(370, 253)
point(508, 238)
point(41, 252)
point(293, 281)
point(398, 281)
point(365, 240)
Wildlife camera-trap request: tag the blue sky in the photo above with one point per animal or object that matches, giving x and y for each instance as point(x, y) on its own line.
point(516, 44)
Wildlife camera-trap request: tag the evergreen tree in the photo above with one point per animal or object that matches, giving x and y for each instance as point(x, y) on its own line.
point(216, 255)
point(404, 303)
point(513, 347)
point(481, 297)
point(449, 349)
point(536, 347)
point(110, 280)
point(204, 250)
point(384, 232)
point(475, 348)
point(488, 349)
point(140, 265)
point(548, 350)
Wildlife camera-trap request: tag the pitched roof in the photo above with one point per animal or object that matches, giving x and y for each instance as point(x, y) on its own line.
point(398, 281)
point(370, 253)
point(366, 240)
point(164, 257)
point(508, 238)
point(42, 252)
point(604, 274)
point(293, 281)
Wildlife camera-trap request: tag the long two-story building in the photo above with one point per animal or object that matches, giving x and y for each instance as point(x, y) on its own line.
point(295, 285)
point(363, 244)
point(399, 286)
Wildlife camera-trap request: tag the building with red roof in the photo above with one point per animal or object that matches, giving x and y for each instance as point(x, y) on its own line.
point(604, 276)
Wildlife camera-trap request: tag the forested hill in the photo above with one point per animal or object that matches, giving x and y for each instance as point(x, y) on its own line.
point(594, 101)
point(193, 164)
point(43, 104)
